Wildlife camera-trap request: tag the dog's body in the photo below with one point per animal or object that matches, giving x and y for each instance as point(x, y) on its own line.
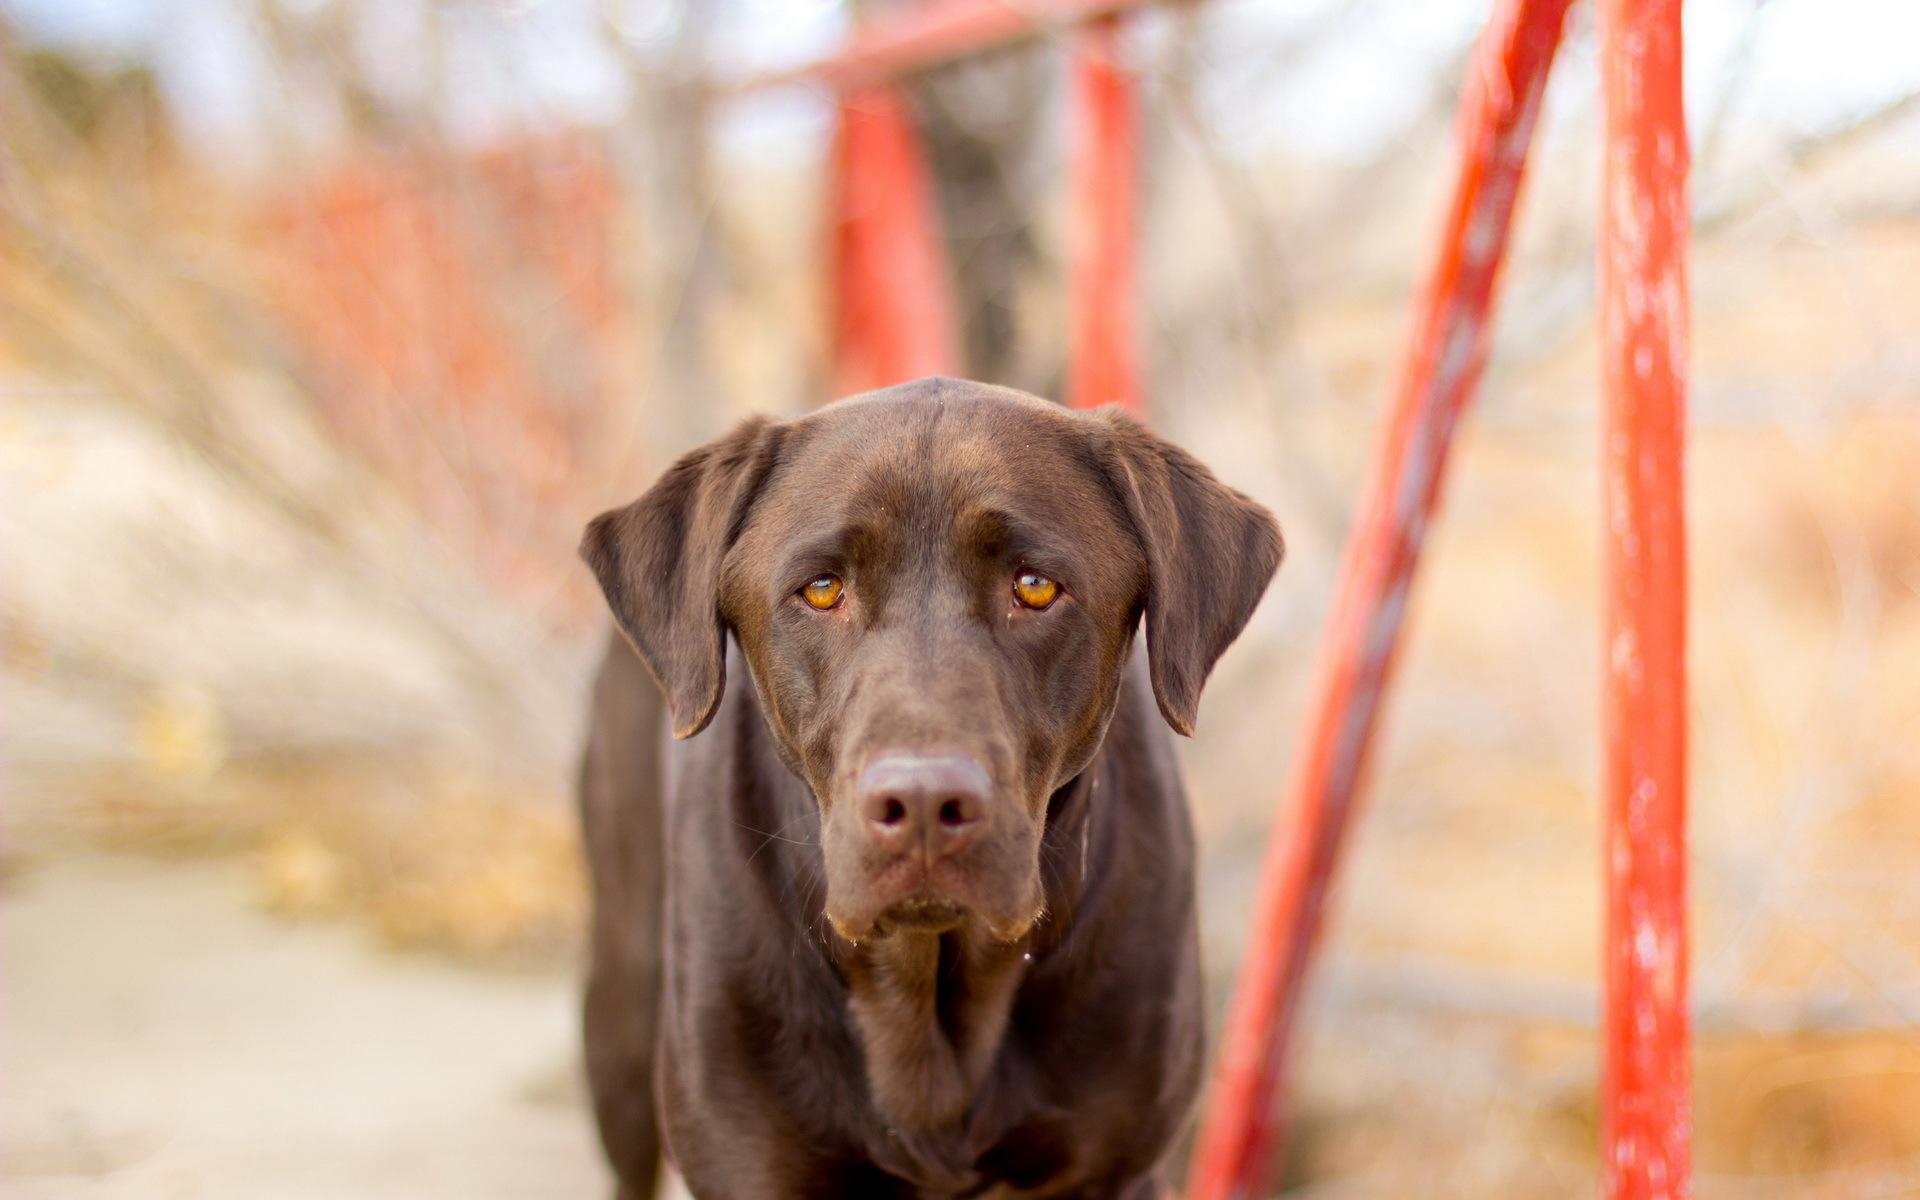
point(914, 915)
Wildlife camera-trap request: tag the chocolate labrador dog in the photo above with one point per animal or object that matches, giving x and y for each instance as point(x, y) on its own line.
point(908, 911)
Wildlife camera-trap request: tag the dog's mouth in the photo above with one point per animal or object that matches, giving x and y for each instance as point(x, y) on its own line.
point(921, 913)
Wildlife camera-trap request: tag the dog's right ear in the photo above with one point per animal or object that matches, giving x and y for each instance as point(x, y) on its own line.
point(658, 562)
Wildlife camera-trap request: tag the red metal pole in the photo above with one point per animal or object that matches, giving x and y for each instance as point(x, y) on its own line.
point(1250, 1102)
point(893, 316)
point(914, 37)
point(1646, 1118)
point(1102, 362)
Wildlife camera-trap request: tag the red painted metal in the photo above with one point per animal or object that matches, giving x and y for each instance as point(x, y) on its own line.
point(1102, 258)
point(1644, 228)
point(1250, 1101)
point(893, 314)
point(915, 37)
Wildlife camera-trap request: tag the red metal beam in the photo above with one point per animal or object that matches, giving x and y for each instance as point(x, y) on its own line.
point(1646, 1121)
point(893, 315)
point(916, 37)
point(1102, 363)
point(1250, 1102)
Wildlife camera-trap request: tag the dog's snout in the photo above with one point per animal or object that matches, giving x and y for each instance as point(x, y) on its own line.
point(937, 802)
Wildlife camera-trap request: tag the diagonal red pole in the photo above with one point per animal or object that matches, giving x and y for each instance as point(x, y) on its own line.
point(1250, 1103)
point(893, 316)
point(1644, 228)
point(1102, 354)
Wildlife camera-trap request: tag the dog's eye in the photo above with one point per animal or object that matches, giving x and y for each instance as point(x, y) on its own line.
point(823, 591)
point(1034, 589)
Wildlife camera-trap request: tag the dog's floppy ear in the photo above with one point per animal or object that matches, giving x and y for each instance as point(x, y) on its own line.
point(1210, 554)
point(658, 562)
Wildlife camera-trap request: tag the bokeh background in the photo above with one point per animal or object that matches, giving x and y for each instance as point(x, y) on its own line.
point(325, 324)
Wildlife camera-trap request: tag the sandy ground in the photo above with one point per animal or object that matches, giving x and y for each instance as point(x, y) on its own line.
point(160, 1038)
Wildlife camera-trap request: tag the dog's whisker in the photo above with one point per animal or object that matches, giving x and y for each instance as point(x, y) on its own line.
point(767, 839)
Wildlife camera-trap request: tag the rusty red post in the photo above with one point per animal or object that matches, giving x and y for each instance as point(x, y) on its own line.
point(893, 316)
point(1646, 1119)
point(1102, 352)
point(1250, 1101)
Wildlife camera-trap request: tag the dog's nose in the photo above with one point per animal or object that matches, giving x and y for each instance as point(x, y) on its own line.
point(938, 803)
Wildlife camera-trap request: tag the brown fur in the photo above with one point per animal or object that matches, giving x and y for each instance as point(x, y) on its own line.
point(822, 1015)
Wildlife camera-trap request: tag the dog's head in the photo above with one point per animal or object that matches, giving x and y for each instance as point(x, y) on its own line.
point(936, 587)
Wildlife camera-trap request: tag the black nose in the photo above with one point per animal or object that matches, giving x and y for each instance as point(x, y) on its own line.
point(935, 803)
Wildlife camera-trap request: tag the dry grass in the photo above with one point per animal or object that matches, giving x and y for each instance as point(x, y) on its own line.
point(427, 857)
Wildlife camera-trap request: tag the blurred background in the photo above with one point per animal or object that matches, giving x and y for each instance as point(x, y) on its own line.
point(325, 324)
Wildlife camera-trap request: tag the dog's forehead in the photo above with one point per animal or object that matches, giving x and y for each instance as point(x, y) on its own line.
point(951, 449)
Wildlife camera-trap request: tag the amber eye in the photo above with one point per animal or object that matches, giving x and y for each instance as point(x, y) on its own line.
point(1034, 589)
point(823, 591)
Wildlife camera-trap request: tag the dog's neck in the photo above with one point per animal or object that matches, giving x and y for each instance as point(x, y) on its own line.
point(931, 1009)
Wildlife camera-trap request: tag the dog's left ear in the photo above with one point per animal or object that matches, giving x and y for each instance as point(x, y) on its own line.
point(1210, 555)
point(658, 561)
